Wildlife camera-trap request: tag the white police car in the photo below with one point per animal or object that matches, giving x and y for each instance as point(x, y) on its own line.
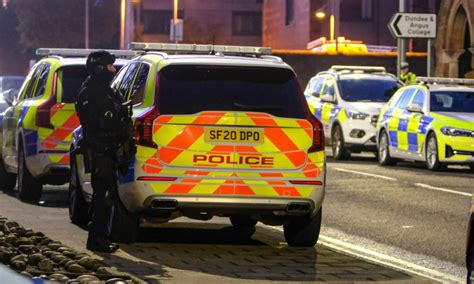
point(348, 99)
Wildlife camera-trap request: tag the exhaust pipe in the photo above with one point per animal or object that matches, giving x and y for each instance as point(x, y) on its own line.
point(169, 204)
point(297, 207)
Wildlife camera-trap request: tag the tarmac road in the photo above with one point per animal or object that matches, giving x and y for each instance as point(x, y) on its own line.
point(414, 214)
point(404, 212)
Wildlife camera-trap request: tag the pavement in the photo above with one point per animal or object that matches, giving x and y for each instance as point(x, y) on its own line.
point(205, 252)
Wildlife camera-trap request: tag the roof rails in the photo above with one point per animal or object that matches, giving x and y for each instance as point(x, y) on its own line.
point(365, 69)
point(73, 52)
point(201, 48)
point(445, 81)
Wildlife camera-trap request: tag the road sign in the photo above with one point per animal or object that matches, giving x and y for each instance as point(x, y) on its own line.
point(178, 28)
point(413, 25)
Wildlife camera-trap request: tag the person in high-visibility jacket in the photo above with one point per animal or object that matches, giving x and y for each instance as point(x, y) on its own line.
point(405, 75)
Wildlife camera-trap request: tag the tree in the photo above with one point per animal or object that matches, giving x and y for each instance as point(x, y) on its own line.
point(13, 59)
point(210, 32)
point(60, 23)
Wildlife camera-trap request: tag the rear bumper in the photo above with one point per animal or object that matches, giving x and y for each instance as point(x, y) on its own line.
point(229, 205)
point(143, 197)
point(41, 165)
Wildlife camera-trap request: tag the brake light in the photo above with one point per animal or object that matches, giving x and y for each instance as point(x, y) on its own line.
point(152, 178)
point(43, 112)
point(317, 126)
point(306, 182)
point(318, 134)
point(144, 128)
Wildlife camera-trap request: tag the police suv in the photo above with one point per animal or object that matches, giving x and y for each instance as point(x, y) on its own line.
point(348, 99)
point(432, 122)
point(219, 131)
point(37, 127)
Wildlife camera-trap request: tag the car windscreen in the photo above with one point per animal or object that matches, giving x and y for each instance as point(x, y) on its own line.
point(367, 90)
point(12, 82)
point(452, 101)
point(189, 89)
point(72, 77)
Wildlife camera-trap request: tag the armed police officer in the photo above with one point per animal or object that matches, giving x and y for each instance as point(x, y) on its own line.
point(102, 118)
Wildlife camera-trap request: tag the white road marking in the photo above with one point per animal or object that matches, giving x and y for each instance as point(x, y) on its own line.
point(366, 174)
point(387, 260)
point(382, 259)
point(443, 189)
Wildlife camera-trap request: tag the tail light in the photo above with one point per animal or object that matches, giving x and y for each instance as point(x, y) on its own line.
point(317, 126)
point(144, 128)
point(318, 134)
point(144, 123)
point(43, 112)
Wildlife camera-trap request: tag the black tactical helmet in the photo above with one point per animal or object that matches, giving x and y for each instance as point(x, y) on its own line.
point(97, 62)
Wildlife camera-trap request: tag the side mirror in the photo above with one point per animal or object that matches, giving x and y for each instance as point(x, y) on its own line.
point(414, 108)
point(9, 96)
point(327, 98)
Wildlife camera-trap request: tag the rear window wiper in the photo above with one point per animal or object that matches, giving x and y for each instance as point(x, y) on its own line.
point(257, 107)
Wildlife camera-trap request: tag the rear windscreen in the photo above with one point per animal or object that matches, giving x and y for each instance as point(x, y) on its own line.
point(72, 78)
point(189, 89)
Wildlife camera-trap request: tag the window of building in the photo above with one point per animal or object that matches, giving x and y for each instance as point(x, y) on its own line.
point(356, 10)
point(247, 23)
point(158, 21)
point(289, 12)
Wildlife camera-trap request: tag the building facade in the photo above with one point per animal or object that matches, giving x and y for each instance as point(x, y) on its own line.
point(455, 41)
point(233, 22)
point(291, 24)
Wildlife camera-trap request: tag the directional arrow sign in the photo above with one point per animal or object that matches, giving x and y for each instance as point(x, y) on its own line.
point(411, 25)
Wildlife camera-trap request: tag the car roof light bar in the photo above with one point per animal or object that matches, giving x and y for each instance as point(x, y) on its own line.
point(367, 69)
point(201, 48)
point(445, 81)
point(74, 52)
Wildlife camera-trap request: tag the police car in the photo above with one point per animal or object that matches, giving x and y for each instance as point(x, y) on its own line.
point(37, 128)
point(220, 131)
point(432, 122)
point(348, 99)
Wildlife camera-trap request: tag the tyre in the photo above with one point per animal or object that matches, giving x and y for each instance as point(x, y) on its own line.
point(78, 207)
point(242, 221)
point(125, 226)
point(29, 189)
point(339, 151)
point(384, 151)
point(303, 231)
point(432, 157)
point(471, 167)
point(7, 180)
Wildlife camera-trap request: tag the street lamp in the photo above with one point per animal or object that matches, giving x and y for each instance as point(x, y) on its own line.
point(320, 14)
point(86, 28)
point(175, 20)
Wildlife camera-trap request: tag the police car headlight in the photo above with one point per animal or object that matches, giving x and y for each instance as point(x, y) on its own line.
point(352, 114)
point(450, 131)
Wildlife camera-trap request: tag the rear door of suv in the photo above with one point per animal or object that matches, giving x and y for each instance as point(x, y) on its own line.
point(236, 130)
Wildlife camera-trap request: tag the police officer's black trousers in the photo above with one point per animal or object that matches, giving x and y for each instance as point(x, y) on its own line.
point(104, 181)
